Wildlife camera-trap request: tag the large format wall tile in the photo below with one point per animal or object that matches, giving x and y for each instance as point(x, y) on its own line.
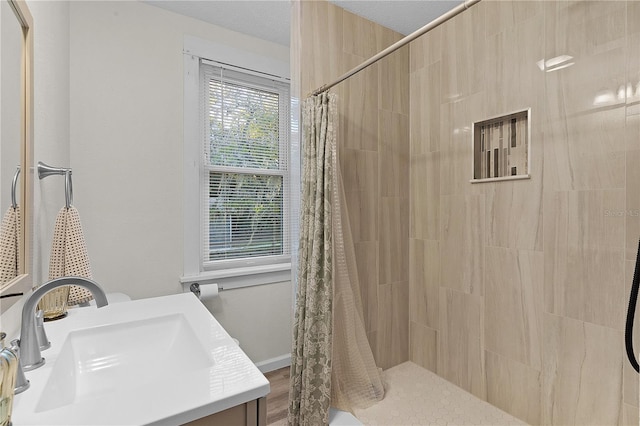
point(582, 382)
point(513, 304)
point(359, 169)
point(463, 54)
point(394, 153)
point(317, 63)
point(556, 243)
point(425, 196)
point(426, 50)
point(394, 81)
point(584, 254)
point(361, 190)
point(400, 339)
point(633, 61)
point(632, 213)
point(367, 261)
point(630, 376)
point(385, 37)
point(394, 240)
point(456, 154)
point(393, 325)
point(633, 17)
point(514, 82)
point(584, 143)
point(372, 337)
point(425, 109)
point(585, 151)
point(514, 214)
point(514, 387)
point(578, 207)
point(461, 353)
point(630, 414)
point(502, 16)
point(383, 348)
point(582, 28)
point(359, 35)
point(359, 120)
point(423, 346)
point(462, 245)
point(512, 79)
point(424, 282)
point(332, 41)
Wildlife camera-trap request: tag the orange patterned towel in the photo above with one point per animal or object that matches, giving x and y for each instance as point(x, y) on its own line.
point(10, 240)
point(69, 255)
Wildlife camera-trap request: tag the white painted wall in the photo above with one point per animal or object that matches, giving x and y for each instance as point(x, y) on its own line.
point(126, 114)
point(259, 317)
point(108, 102)
point(51, 120)
point(51, 131)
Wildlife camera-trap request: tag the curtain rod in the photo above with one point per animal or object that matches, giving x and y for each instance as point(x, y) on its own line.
point(397, 45)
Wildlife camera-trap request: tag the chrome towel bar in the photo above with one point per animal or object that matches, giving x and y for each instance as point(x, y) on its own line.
point(45, 170)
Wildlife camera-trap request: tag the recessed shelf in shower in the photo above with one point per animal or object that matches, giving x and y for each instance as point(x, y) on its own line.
point(501, 147)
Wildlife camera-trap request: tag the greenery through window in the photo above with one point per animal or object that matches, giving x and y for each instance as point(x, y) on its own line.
point(246, 127)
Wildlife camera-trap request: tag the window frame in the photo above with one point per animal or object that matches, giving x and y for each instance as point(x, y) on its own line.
point(249, 80)
point(230, 273)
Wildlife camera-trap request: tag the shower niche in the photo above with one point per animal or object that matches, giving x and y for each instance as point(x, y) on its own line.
point(501, 147)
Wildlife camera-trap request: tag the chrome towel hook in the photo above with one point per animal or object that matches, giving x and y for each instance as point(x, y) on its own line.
point(14, 183)
point(45, 170)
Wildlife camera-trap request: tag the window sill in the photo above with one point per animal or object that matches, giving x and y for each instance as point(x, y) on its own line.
point(228, 279)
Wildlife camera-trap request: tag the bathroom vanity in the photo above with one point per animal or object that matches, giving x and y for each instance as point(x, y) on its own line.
point(251, 413)
point(163, 360)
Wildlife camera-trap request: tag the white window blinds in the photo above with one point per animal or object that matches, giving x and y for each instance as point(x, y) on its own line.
point(245, 190)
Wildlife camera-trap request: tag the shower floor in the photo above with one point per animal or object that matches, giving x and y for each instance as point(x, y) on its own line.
point(416, 396)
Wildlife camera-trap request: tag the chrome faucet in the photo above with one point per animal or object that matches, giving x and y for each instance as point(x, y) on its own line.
point(30, 355)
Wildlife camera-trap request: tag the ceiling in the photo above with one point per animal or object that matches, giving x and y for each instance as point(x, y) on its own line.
point(270, 19)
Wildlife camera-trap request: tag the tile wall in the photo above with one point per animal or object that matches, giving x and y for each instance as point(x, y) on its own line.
point(328, 41)
point(518, 289)
point(515, 291)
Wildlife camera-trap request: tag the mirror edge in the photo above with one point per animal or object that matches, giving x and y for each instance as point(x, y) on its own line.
point(23, 283)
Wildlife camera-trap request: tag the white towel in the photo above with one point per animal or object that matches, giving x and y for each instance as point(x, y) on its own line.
point(69, 255)
point(10, 241)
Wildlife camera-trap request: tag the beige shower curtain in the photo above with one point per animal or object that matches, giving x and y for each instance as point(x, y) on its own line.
point(331, 360)
point(310, 383)
point(356, 381)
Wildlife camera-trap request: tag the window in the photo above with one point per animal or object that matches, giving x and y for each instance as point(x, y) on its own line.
point(245, 182)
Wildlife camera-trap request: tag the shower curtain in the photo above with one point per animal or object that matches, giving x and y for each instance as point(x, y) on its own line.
point(310, 382)
point(331, 360)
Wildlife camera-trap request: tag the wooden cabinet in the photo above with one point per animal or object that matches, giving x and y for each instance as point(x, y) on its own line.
point(253, 413)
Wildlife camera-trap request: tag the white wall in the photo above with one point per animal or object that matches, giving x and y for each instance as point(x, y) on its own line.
point(51, 131)
point(51, 120)
point(259, 317)
point(126, 68)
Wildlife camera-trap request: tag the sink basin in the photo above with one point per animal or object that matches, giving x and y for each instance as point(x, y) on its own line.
point(157, 361)
point(101, 360)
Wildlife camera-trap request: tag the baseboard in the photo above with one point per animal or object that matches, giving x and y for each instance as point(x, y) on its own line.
point(272, 364)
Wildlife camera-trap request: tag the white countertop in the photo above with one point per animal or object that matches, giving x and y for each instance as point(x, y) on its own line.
point(225, 377)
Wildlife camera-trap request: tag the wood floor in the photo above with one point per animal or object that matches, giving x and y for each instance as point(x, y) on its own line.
point(278, 398)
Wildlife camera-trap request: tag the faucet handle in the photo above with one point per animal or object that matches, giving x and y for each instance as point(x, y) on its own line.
point(22, 384)
point(41, 334)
